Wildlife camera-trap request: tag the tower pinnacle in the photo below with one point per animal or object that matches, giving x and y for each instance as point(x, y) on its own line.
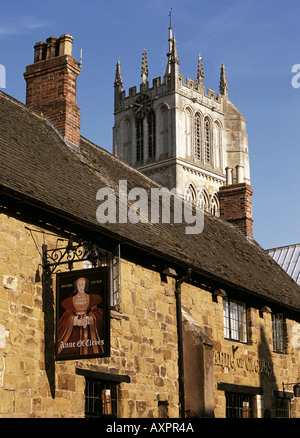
point(118, 77)
point(144, 72)
point(223, 82)
point(200, 73)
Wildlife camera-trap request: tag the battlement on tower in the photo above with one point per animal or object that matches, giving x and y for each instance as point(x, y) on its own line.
point(189, 88)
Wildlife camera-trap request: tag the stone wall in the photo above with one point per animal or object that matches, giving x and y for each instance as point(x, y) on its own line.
point(143, 342)
point(253, 364)
point(143, 338)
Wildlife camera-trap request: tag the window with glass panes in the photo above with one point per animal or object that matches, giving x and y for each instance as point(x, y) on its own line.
point(100, 399)
point(235, 320)
point(283, 407)
point(278, 332)
point(239, 405)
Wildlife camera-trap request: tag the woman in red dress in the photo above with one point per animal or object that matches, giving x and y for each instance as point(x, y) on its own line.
point(80, 326)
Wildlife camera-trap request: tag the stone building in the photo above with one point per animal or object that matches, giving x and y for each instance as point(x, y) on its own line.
point(184, 138)
point(195, 325)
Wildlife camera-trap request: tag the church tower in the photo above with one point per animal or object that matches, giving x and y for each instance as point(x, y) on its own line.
point(187, 138)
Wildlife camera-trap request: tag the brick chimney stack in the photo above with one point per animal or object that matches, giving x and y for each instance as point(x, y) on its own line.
point(51, 85)
point(235, 202)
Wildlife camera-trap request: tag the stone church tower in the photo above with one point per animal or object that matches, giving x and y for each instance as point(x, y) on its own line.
point(186, 138)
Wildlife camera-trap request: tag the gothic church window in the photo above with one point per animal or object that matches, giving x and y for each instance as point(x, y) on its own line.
point(188, 132)
point(217, 144)
point(151, 135)
point(207, 141)
point(203, 200)
point(163, 130)
point(215, 206)
point(127, 139)
point(139, 125)
point(198, 152)
point(190, 194)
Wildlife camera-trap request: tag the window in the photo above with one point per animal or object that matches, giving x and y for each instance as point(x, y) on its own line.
point(278, 332)
point(190, 194)
point(112, 260)
point(283, 407)
point(100, 399)
point(101, 390)
point(151, 135)
point(198, 154)
point(127, 139)
point(207, 141)
point(188, 132)
point(215, 206)
point(163, 130)
point(217, 144)
point(239, 405)
point(235, 321)
point(139, 123)
point(203, 200)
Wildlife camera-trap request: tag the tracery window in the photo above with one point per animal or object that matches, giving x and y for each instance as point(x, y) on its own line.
point(217, 144)
point(127, 139)
point(198, 154)
point(163, 130)
point(215, 206)
point(203, 200)
point(207, 141)
point(139, 124)
point(188, 132)
point(151, 135)
point(190, 194)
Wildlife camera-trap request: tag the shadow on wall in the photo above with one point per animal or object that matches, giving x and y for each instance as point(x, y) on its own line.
point(267, 379)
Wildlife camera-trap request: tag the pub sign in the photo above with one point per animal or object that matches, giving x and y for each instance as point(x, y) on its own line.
point(82, 314)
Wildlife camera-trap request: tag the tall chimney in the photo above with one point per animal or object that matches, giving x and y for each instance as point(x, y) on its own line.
point(235, 202)
point(51, 85)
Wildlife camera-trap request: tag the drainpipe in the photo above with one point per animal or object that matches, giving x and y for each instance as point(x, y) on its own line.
point(180, 342)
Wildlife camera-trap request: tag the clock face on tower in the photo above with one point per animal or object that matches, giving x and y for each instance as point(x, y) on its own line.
point(142, 106)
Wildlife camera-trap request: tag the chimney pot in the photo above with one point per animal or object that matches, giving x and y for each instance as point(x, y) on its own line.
point(65, 45)
point(239, 174)
point(51, 47)
point(40, 51)
point(229, 180)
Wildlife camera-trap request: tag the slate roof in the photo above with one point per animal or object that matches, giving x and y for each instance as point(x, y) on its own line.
point(37, 165)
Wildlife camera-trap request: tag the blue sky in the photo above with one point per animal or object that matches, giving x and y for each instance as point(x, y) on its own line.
point(257, 40)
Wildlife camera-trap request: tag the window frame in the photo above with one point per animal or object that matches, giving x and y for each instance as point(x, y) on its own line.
point(108, 381)
point(104, 405)
point(241, 323)
point(139, 127)
point(283, 407)
point(237, 408)
point(151, 121)
point(278, 332)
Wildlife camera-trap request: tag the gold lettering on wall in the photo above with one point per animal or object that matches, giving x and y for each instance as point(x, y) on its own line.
point(250, 364)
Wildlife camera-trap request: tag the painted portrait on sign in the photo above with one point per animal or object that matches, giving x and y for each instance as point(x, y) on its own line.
point(82, 320)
